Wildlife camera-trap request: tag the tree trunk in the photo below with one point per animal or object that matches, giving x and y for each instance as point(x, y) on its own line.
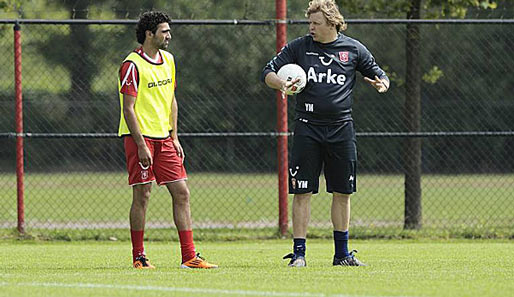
point(412, 118)
point(81, 72)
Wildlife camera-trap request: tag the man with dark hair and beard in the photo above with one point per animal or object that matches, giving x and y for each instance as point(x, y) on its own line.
point(148, 125)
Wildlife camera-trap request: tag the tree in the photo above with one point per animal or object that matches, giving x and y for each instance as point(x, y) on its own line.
point(8, 5)
point(412, 119)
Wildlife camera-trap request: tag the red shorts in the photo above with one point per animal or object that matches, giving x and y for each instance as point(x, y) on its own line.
point(167, 166)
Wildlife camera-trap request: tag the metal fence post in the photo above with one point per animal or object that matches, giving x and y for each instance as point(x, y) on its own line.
point(281, 9)
point(19, 128)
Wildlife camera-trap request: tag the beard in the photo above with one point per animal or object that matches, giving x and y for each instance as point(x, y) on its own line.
point(162, 45)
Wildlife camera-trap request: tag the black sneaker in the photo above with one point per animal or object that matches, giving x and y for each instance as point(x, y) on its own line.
point(296, 261)
point(349, 260)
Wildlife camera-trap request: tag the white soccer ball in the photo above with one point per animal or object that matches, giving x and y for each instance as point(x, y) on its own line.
point(291, 72)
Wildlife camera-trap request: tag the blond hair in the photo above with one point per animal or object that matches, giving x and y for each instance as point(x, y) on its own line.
point(330, 10)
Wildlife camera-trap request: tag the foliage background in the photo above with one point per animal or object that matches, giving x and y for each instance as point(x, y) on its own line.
point(459, 73)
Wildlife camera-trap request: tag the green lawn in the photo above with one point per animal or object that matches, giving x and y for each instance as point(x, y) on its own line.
point(254, 268)
point(81, 200)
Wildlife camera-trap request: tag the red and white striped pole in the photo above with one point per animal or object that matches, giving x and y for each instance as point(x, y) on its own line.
point(19, 128)
point(281, 10)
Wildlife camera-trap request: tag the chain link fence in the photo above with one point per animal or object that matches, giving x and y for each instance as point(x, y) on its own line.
point(75, 169)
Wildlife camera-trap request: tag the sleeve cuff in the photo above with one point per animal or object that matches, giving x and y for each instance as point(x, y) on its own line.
point(264, 73)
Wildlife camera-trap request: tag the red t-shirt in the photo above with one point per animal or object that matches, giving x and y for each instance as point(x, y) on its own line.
point(129, 76)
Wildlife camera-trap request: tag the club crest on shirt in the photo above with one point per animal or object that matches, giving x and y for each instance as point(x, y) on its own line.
point(344, 57)
point(144, 174)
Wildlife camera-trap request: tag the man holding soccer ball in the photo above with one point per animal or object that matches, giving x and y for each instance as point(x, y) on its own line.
point(324, 135)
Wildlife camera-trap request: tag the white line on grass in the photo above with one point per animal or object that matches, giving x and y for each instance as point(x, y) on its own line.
point(179, 289)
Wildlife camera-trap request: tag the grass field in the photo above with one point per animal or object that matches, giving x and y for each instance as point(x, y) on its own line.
point(254, 268)
point(79, 200)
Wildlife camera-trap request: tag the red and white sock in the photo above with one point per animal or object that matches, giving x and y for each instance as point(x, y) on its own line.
point(187, 246)
point(137, 243)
